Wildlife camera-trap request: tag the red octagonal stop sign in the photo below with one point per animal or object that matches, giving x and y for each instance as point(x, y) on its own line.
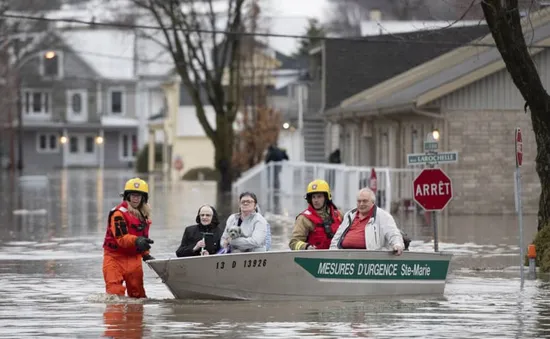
point(433, 189)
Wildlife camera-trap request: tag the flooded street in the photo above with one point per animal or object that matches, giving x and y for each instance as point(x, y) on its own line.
point(52, 285)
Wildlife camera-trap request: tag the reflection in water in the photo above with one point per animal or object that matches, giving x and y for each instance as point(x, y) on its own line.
point(543, 310)
point(101, 223)
point(64, 200)
point(123, 321)
point(52, 286)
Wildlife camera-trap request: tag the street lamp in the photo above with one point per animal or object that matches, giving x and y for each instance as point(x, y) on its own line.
point(49, 55)
point(433, 136)
point(99, 140)
point(63, 140)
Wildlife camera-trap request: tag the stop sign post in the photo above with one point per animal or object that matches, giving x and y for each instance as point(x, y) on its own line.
point(433, 189)
point(518, 141)
point(519, 147)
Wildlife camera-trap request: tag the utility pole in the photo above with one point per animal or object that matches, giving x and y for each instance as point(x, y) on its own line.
point(8, 95)
point(19, 126)
point(17, 50)
point(12, 135)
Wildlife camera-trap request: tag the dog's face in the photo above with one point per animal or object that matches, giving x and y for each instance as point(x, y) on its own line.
point(234, 232)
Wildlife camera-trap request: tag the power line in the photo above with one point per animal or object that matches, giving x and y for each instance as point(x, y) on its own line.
point(259, 34)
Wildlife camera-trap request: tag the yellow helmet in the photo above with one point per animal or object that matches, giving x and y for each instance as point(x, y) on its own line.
point(319, 186)
point(136, 185)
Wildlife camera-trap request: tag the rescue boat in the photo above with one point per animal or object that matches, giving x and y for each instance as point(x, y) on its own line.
point(305, 275)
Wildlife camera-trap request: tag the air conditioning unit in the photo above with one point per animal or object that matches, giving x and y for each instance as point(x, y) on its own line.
point(366, 129)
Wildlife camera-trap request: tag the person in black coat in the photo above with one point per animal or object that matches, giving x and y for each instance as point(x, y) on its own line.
point(275, 153)
point(204, 237)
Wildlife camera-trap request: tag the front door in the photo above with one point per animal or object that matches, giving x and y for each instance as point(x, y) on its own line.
point(82, 150)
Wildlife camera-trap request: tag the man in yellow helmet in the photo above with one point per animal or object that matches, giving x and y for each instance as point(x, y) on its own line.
point(127, 241)
point(315, 227)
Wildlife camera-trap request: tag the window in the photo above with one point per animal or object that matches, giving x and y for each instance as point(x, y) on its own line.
point(129, 147)
point(47, 143)
point(51, 64)
point(90, 144)
point(414, 141)
point(76, 103)
point(385, 148)
point(36, 103)
point(73, 145)
point(116, 101)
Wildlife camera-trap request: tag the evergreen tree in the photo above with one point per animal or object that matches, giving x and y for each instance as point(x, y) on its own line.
point(314, 32)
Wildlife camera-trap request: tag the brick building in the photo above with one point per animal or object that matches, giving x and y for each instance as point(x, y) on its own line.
point(465, 93)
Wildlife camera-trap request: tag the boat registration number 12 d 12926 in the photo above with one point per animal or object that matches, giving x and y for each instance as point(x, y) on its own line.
point(374, 269)
point(248, 263)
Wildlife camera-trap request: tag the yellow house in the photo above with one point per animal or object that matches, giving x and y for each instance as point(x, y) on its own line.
point(185, 142)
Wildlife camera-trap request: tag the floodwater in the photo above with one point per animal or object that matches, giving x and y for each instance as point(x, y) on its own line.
point(52, 286)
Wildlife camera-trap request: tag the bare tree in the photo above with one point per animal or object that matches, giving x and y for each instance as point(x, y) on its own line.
point(504, 21)
point(207, 62)
point(258, 124)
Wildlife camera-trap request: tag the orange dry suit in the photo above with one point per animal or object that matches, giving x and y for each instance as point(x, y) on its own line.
point(121, 258)
point(323, 232)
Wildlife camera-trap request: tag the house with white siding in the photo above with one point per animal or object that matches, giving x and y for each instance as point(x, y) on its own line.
point(467, 94)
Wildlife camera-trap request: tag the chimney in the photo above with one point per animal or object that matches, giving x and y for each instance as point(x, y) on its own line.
point(375, 15)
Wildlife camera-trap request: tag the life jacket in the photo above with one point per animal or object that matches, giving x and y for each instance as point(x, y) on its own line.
point(135, 226)
point(323, 232)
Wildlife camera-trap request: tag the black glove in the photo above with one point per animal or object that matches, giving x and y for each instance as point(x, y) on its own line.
point(142, 244)
point(148, 257)
point(406, 240)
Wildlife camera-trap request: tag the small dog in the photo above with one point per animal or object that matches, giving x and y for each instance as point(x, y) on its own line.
point(234, 232)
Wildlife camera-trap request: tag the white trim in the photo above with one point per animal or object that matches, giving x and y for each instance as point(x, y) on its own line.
point(110, 92)
point(48, 149)
point(60, 70)
point(121, 156)
point(45, 104)
point(83, 115)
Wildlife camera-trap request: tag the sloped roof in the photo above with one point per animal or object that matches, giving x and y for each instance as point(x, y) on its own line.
point(291, 62)
point(110, 52)
point(444, 74)
point(356, 65)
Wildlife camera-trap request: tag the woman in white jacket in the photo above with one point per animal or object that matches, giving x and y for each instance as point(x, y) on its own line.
point(371, 222)
point(252, 227)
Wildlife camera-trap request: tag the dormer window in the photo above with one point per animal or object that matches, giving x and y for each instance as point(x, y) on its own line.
point(51, 64)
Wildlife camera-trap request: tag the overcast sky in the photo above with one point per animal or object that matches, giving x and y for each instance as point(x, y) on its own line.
point(290, 17)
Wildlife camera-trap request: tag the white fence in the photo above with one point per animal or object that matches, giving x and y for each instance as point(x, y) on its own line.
point(286, 195)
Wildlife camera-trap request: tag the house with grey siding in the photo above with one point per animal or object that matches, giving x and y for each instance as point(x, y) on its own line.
point(467, 94)
point(78, 95)
point(340, 68)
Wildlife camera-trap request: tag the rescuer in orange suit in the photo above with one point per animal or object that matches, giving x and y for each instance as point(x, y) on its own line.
point(127, 241)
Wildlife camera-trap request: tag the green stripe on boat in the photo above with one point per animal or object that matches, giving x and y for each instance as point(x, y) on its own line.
point(375, 269)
